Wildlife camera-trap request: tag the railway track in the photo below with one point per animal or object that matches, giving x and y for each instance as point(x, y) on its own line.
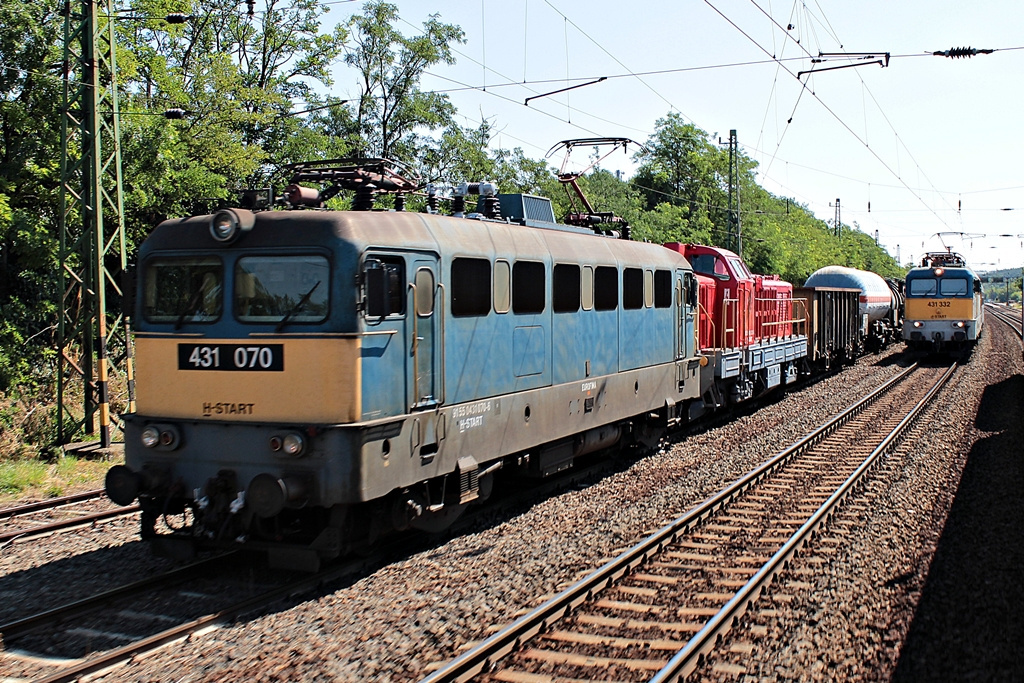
point(58, 514)
point(1008, 316)
point(99, 632)
point(654, 611)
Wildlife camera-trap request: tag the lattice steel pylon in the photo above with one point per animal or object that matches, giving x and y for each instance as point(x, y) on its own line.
point(92, 340)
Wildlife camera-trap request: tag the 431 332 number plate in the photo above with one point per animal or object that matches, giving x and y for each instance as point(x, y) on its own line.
point(248, 357)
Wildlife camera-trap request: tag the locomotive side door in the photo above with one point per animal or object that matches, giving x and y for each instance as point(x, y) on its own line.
point(427, 318)
point(686, 298)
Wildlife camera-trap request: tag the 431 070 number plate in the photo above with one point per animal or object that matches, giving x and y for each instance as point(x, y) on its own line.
point(248, 357)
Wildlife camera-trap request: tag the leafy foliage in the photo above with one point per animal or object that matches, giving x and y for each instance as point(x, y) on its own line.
point(253, 90)
point(391, 106)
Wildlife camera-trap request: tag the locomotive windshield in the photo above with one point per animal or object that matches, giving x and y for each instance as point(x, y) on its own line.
point(925, 286)
point(183, 290)
point(274, 289)
point(709, 264)
point(740, 268)
point(953, 287)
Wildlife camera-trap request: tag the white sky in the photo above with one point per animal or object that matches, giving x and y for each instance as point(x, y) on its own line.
point(916, 140)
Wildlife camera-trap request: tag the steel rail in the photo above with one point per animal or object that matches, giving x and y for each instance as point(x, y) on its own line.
point(687, 659)
point(121, 655)
point(487, 653)
point(20, 627)
point(7, 513)
point(1005, 317)
point(84, 520)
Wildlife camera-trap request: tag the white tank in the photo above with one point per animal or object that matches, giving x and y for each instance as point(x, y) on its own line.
point(876, 299)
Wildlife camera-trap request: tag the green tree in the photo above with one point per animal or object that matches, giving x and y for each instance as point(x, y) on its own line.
point(30, 93)
point(681, 167)
point(391, 107)
point(238, 78)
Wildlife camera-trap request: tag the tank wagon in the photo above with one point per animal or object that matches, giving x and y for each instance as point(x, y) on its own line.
point(880, 303)
point(945, 305)
point(309, 380)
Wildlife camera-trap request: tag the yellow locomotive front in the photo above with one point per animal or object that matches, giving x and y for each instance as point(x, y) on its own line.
point(247, 359)
point(943, 304)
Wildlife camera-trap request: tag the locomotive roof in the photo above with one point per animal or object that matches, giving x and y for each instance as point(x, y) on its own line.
point(410, 231)
point(929, 271)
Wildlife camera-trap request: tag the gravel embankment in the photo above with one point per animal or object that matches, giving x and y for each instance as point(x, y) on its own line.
point(920, 579)
point(391, 625)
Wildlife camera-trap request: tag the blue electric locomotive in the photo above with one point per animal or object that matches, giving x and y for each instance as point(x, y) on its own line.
point(309, 379)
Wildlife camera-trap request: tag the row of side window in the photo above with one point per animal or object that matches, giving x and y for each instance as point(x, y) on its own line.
point(478, 287)
point(521, 286)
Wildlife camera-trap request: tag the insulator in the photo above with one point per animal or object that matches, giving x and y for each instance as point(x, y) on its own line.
point(492, 207)
point(363, 200)
point(177, 18)
point(957, 52)
point(399, 202)
point(433, 203)
point(459, 205)
point(174, 113)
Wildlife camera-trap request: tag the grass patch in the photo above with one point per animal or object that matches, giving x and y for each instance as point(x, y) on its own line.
point(19, 475)
point(22, 479)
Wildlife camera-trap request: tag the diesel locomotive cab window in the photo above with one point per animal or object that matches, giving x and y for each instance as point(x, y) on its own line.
point(740, 267)
point(471, 287)
point(709, 264)
point(953, 287)
point(922, 287)
point(527, 287)
point(282, 289)
point(183, 290)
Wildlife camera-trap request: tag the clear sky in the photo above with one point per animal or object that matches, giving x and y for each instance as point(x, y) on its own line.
point(932, 145)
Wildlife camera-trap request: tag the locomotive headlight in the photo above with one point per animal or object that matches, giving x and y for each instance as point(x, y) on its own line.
point(918, 323)
point(162, 437)
point(227, 224)
point(150, 437)
point(293, 444)
point(958, 323)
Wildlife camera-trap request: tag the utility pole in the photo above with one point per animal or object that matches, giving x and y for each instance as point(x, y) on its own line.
point(838, 223)
point(734, 191)
point(92, 232)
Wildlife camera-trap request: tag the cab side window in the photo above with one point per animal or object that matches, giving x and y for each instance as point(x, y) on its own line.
point(384, 278)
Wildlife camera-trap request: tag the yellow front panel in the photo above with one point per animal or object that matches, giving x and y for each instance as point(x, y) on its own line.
point(320, 383)
point(939, 309)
